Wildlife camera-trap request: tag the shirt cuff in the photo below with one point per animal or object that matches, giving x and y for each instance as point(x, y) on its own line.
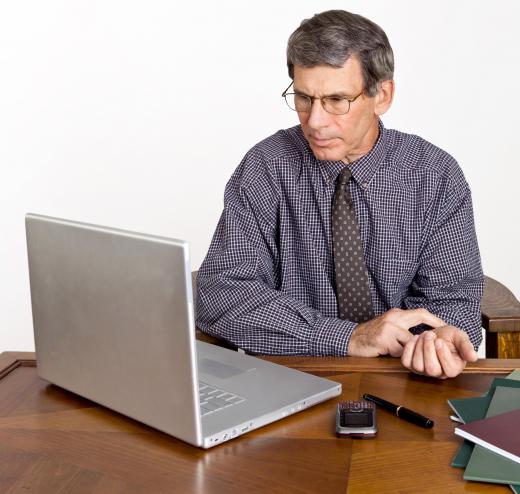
point(331, 337)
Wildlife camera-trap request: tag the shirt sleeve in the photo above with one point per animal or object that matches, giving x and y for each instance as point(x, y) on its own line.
point(238, 296)
point(449, 281)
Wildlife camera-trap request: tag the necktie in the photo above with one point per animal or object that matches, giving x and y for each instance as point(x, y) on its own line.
point(352, 289)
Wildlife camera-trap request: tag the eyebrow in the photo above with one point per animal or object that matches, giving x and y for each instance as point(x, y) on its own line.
point(332, 95)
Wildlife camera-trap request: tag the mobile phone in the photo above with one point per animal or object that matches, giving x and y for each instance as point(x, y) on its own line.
point(356, 419)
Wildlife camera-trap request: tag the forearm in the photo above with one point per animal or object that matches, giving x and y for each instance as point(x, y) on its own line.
point(262, 320)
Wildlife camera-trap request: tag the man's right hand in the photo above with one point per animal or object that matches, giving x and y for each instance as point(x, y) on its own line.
point(388, 333)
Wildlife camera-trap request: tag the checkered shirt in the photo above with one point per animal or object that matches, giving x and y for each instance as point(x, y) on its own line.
point(267, 282)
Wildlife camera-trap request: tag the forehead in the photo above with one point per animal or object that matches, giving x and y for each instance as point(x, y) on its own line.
point(324, 79)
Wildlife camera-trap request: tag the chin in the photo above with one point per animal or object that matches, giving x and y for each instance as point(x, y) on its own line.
point(325, 154)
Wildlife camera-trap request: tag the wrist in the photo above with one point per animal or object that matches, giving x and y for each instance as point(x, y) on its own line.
point(330, 337)
point(352, 347)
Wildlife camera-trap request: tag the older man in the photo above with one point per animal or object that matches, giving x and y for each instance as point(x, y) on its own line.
point(342, 237)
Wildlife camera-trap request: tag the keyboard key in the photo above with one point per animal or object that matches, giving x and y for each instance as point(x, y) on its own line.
point(211, 406)
point(220, 403)
point(213, 399)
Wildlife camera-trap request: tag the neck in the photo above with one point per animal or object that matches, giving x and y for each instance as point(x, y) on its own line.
point(369, 140)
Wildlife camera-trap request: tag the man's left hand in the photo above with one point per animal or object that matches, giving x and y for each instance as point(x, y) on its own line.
point(442, 352)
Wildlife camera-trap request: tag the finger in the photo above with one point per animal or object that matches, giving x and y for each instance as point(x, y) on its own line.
point(418, 358)
point(395, 349)
point(407, 319)
point(432, 366)
point(452, 364)
point(406, 357)
point(403, 336)
point(390, 339)
point(465, 347)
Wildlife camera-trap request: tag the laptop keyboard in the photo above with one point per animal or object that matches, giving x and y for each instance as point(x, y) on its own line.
point(213, 399)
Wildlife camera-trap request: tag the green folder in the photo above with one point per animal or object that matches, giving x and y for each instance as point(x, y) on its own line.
point(468, 412)
point(470, 409)
point(514, 375)
point(461, 458)
point(486, 466)
point(508, 382)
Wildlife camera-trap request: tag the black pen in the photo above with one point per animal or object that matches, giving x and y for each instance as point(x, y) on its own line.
point(401, 412)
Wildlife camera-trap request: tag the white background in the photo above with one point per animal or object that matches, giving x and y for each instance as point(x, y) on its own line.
point(134, 114)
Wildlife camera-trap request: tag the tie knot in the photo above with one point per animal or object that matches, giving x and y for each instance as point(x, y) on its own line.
point(345, 176)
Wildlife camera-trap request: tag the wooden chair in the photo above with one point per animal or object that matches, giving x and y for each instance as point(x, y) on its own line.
point(500, 319)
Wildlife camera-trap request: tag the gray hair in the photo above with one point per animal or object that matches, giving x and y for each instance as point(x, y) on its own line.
point(332, 37)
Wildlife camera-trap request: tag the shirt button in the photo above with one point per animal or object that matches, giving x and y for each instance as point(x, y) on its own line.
point(364, 185)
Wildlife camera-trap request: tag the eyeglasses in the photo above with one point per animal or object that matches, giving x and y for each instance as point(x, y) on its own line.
point(337, 105)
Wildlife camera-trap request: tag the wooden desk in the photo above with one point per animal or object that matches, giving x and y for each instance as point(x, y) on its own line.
point(54, 441)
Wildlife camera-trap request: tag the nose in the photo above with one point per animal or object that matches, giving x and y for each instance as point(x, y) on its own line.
point(318, 117)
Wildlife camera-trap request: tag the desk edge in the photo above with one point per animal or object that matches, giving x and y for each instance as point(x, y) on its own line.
point(11, 360)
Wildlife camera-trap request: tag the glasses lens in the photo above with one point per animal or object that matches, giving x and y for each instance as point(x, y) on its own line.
point(331, 104)
point(338, 106)
point(297, 102)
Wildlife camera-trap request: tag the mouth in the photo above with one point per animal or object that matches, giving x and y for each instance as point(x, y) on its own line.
point(320, 142)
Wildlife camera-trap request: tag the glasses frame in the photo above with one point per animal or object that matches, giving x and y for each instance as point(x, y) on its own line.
point(314, 98)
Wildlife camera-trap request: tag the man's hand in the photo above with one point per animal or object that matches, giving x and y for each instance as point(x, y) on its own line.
point(442, 352)
point(388, 333)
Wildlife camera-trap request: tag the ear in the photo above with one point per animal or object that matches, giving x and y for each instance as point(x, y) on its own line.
point(384, 97)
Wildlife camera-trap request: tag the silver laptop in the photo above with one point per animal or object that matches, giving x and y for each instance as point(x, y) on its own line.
point(114, 322)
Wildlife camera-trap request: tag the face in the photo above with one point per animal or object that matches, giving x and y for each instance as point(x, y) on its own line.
point(340, 137)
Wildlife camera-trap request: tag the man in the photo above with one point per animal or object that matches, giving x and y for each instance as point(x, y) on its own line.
point(342, 237)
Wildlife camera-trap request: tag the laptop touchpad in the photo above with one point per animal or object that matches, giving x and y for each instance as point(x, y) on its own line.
point(218, 369)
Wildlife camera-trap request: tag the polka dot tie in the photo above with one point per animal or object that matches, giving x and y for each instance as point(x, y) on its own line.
point(352, 290)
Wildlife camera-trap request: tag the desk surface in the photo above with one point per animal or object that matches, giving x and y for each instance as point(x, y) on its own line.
point(54, 441)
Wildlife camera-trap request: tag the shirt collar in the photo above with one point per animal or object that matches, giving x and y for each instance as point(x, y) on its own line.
point(363, 169)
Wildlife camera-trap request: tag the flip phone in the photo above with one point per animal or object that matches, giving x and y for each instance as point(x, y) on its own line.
point(356, 419)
